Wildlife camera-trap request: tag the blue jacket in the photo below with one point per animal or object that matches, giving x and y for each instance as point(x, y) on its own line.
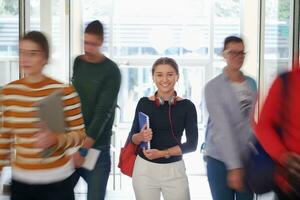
point(228, 130)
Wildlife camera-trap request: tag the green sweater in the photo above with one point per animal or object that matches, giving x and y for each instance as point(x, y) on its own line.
point(98, 86)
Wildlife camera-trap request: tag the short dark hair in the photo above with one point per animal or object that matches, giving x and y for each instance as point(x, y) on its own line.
point(40, 39)
point(95, 27)
point(165, 61)
point(230, 39)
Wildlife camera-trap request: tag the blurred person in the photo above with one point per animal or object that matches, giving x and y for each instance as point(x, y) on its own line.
point(230, 98)
point(161, 168)
point(278, 131)
point(23, 137)
point(97, 80)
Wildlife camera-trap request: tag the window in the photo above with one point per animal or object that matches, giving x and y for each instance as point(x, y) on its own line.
point(50, 16)
point(226, 22)
point(277, 39)
point(9, 38)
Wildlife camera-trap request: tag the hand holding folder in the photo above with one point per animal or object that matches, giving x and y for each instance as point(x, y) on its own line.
point(144, 121)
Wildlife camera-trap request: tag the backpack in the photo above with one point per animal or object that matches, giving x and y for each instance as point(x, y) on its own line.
point(259, 166)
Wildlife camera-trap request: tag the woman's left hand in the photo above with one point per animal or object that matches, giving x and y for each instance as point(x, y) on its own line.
point(78, 159)
point(235, 179)
point(152, 154)
point(45, 138)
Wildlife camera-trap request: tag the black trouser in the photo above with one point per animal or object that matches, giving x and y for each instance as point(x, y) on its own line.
point(62, 190)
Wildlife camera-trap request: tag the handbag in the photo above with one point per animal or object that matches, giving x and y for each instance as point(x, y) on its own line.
point(259, 169)
point(127, 158)
point(259, 166)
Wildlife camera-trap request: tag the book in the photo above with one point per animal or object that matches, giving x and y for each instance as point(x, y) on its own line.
point(51, 112)
point(91, 159)
point(144, 119)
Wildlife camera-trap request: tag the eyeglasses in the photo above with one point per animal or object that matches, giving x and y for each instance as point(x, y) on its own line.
point(235, 53)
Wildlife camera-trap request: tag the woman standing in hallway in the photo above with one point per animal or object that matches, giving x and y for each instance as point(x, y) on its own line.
point(23, 138)
point(161, 168)
point(230, 98)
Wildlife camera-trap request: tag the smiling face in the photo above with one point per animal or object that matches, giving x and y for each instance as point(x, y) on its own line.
point(165, 77)
point(32, 58)
point(234, 55)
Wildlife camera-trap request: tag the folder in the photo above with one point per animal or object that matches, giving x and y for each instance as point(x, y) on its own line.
point(51, 112)
point(91, 159)
point(144, 119)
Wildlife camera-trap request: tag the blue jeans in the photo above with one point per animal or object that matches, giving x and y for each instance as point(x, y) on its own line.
point(217, 178)
point(97, 178)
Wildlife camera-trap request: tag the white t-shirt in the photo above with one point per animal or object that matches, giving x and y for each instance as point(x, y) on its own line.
point(243, 93)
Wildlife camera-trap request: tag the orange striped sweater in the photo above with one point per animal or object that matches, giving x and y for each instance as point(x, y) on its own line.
point(19, 120)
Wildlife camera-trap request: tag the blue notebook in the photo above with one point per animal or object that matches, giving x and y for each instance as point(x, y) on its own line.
point(144, 119)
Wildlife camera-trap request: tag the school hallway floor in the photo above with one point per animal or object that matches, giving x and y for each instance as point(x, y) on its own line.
point(198, 187)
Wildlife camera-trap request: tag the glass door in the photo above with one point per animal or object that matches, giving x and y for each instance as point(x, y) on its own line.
point(277, 40)
point(9, 41)
point(52, 18)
